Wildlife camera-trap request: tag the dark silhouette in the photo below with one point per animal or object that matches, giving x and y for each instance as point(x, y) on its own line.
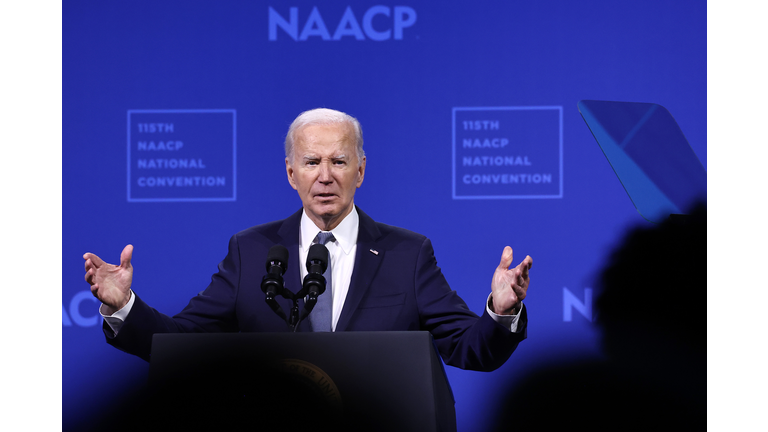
point(652, 314)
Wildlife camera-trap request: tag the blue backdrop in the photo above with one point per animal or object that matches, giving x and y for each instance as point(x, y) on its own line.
point(174, 116)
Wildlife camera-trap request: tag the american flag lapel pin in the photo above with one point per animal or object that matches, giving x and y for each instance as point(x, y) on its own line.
point(375, 252)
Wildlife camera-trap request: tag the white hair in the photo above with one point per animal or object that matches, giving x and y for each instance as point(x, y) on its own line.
point(324, 116)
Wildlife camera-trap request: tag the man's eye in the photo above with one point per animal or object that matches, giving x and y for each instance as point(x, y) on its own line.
point(339, 162)
point(311, 162)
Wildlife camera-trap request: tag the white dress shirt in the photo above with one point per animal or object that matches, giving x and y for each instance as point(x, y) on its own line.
point(342, 251)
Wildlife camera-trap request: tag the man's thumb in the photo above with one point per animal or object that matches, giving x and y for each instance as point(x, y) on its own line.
point(125, 256)
point(506, 258)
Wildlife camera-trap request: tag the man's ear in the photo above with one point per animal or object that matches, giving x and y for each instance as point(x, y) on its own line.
point(361, 173)
point(290, 172)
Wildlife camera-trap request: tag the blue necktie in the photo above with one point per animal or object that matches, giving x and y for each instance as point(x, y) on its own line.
point(320, 318)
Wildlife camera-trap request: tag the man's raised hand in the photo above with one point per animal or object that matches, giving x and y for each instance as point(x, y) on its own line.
point(510, 285)
point(111, 284)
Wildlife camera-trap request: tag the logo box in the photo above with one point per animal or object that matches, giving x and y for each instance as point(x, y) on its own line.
point(513, 152)
point(182, 155)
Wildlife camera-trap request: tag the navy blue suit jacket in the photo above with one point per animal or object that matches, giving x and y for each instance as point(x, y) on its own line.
point(400, 288)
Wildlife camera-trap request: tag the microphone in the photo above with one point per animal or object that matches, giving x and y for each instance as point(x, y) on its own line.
point(317, 263)
point(272, 283)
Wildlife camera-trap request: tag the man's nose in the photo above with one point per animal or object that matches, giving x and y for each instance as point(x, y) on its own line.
point(325, 173)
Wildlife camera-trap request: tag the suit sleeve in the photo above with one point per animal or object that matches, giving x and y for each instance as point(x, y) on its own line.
point(212, 310)
point(463, 339)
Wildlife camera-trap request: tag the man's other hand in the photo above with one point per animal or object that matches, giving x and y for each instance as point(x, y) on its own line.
point(111, 284)
point(510, 285)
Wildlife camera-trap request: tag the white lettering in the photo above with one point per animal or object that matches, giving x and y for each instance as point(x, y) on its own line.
point(481, 124)
point(275, 21)
point(506, 178)
point(570, 302)
point(209, 181)
point(486, 143)
point(495, 161)
point(404, 17)
point(160, 146)
point(170, 163)
point(74, 309)
point(348, 26)
point(314, 26)
point(368, 23)
point(155, 127)
point(65, 321)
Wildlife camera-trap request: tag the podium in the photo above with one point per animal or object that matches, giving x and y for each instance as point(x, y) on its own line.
point(373, 381)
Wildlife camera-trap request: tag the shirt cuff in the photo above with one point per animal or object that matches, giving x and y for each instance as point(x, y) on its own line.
point(115, 321)
point(508, 321)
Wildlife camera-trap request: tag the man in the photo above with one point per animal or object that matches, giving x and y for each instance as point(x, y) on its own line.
point(383, 277)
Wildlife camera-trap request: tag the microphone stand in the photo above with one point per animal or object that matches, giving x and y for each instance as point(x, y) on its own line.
point(310, 299)
point(273, 284)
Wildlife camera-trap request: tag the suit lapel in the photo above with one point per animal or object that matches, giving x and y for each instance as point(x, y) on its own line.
point(289, 233)
point(366, 265)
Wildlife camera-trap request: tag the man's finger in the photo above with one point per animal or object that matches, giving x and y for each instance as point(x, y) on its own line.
point(506, 258)
point(527, 264)
point(520, 276)
point(519, 292)
point(125, 256)
point(95, 260)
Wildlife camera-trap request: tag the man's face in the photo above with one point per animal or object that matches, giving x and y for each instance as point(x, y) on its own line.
point(325, 172)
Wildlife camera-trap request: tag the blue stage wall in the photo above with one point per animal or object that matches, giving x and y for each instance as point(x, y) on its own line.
point(445, 92)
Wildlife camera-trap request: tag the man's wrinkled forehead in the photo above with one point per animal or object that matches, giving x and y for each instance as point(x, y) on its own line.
point(344, 130)
point(330, 140)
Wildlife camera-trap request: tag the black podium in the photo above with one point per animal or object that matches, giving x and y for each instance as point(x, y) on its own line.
point(373, 381)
